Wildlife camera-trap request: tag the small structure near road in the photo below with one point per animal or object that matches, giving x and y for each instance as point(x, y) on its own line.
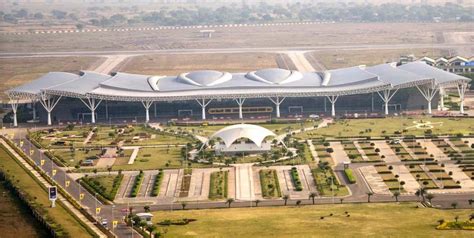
point(207, 33)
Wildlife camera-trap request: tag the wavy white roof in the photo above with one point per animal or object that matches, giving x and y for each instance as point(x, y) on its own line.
point(215, 84)
point(230, 134)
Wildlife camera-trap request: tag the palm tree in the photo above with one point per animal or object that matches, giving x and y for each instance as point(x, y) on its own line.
point(421, 192)
point(312, 195)
point(286, 197)
point(471, 201)
point(298, 203)
point(429, 196)
point(456, 218)
point(369, 194)
point(471, 217)
point(230, 201)
point(146, 208)
point(257, 202)
point(341, 200)
point(395, 195)
point(454, 205)
point(441, 221)
point(183, 205)
point(109, 169)
point(150, 228)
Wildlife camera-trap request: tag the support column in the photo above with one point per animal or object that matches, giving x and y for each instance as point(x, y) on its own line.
point(386, 96)
point(441, 99)
point(106, 110)
point(92, 105)
point(240, 101)
point(462, 87)
point(277, 101)
point(147, 105)
point(14, 103)
point(33, 107)
point(428, 92)
point(203, 104)
point(332, 100)
point(49, 102)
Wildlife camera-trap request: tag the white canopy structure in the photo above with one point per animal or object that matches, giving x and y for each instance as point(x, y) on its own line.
point(206, 85)
point(230, 134)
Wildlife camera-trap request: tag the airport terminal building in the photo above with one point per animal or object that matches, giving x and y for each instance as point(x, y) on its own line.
point(207, 94)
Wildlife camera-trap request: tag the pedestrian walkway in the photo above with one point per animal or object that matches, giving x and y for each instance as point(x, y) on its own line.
point(361, 151)
point(457, 173)
point(244, 185)
point(339, 156)
point(385, 150)
point(64, 201)
point(134, 154)
point(314, 154)
point(374, 180)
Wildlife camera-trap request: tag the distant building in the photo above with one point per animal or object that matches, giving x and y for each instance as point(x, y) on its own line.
point(456, 64)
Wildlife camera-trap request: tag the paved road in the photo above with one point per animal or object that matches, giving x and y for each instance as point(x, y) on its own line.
point(233, 50)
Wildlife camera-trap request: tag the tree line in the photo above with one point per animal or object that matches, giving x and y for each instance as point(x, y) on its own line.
point(234, 14)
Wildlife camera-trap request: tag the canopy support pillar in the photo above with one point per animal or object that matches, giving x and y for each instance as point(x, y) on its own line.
point(240, 101)
point(49, 102)
point(14, 103)
point(92, 105)
point(428, 92)
point(33, 107)
point(441, 99)
point(277, 101)
point(203, 104)
point(147, 105)
point(386, 96)
point(332, 100)
point(462, 87)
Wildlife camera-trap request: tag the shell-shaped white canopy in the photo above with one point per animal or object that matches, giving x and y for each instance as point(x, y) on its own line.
point(232, 133)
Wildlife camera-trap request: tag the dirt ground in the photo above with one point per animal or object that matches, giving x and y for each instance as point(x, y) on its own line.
point(179, 63)
point(266, 36)
point(16, 71)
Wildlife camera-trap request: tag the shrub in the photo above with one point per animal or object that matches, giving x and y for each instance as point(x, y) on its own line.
point(137, 184)
point(296, 179)
point(350, 175)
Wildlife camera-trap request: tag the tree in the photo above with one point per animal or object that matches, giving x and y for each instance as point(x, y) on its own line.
point(441, 221)
point(109, 169)
point(429, 196)
point(312, 195)
point(230, 201)
point(95, 171)
point(456, 218)
point(395, 195)
point(150, 228)
point(369, 194)
point(183, 205)
point(80, 26)
point(470, 201)
point(286, 197)
point(257, 202)
point(454, 205)
point(421, 192)
point(146, 208)
point(298, 203)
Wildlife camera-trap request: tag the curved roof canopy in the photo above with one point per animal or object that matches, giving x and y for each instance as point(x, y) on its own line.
point(232, 133)
point(209, 84)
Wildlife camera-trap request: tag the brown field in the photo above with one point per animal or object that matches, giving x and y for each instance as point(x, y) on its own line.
point(268, 36)
point(14, 72)
point(179, 63)
point(339, 59)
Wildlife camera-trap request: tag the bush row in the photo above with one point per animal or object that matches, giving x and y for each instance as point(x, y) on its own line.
point(137, 184)
point(157, 183)
point(296, 179)
point(350, 175)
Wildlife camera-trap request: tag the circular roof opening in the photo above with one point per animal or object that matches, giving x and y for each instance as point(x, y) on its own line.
point(275, 76)
point(205, 77)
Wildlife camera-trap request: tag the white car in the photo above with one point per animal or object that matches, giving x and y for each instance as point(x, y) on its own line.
point(314, 116)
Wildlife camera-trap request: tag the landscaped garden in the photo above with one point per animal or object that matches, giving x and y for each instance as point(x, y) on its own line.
point(269, 183)
point(105, 185)
point(218, 185)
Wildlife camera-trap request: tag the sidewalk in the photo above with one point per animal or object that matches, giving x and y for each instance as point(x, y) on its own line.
point(66, 203)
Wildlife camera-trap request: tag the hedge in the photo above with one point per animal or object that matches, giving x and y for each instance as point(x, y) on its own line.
point(157, 183)
point(350, 175)
point(296, 179)
point(137, 184)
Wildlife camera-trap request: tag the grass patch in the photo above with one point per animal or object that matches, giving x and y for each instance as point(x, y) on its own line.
point(218, 185)
point(269, 183)
point(374, 220)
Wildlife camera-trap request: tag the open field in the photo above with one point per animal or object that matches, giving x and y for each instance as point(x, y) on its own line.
point(14, 72)
point(29, 185)
point(15, 219)
point(174, 64)
point(366, 220)
point(387, 126)
point(268, 36)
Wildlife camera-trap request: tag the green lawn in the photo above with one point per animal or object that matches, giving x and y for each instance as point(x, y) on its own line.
point(30, 186)
point(72, 159)
point(388, 126)
point(327, 186)
point(366, 220)
point(152, 158)
point(218, 185)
